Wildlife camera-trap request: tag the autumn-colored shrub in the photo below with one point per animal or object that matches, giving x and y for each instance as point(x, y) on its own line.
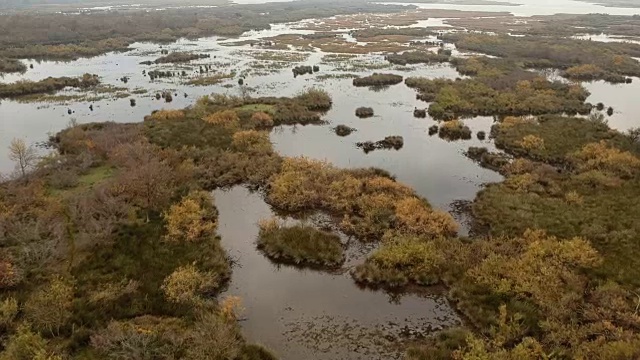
point(188, 285)
point(600, 156)
point(9, 274)
point(193, 219)
point(531, 142)
point(226, 118)
point(454, 130)
point(400, 262)
point(261, 120)
point(26, 344)
point(416, 217)
point(50, 308)
point(252, 141)
point(8, 312)
point(367, 202)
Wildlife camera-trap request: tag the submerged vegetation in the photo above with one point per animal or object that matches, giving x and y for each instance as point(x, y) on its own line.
point(11, 66)
point(299, 244)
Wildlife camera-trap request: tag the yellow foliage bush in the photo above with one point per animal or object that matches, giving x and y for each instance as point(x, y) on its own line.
point(417, 217)
point(546, 270)
point(50, 307)
point(531, 142)
point(573, 197)
point(191, 219)
point(600, 156)
point(252, 141)
point(261, 120)
point(187, 284)
point(8, 312)
point(227, 118)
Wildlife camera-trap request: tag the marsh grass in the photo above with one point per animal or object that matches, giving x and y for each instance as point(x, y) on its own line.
point(210, 80)
point(301, 245)
point(378, 79)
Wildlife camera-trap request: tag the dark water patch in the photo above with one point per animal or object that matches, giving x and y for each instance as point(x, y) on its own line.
point(304, 314)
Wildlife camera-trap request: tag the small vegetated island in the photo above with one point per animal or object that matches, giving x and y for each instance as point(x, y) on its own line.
point(302, 245)
point(378, 79)
point(48, 85)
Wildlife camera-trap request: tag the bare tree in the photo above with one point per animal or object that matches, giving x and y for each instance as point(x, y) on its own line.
point(147, 179)
point(25, 156)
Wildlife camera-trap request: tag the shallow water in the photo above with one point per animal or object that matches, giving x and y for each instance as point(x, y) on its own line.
point(536, 7)
point(308, 314)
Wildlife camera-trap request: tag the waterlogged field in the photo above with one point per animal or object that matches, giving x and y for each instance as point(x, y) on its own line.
point(308, 313)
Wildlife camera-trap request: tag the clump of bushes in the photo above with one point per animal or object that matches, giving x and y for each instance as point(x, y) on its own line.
point(180, 57)
point(420, 113)
point(433, 129)
point(494, 92)
point(299, 244)
point(378, 80)
point(389, 142)
point(343, 130)
point(370, 203)
point(11, 66)
point(400, 262)
point(302, 70)
point(314, 99)
point(225, 118)
point(487, 159)
point(418, 57)
point(261, 119)
point(364, 112)
point(481, 135)
point(47, 85)
point(454, 130)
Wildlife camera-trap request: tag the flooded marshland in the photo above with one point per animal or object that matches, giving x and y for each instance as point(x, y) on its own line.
point(297, 313)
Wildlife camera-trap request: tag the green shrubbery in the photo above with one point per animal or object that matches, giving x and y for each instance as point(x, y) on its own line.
point(47, 85)
point(502, 95)
point(180, 57)
point(378, 80)
point(11, 65)
point(299, 244)
point(418, 57)
point(582, 59)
